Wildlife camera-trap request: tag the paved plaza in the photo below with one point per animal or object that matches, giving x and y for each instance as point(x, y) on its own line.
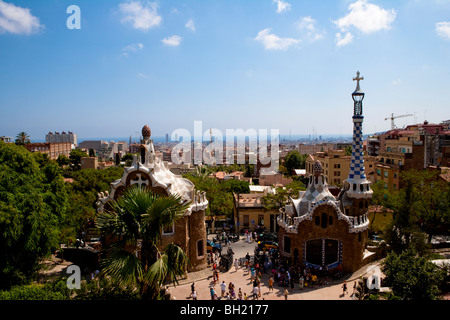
point(241, 278)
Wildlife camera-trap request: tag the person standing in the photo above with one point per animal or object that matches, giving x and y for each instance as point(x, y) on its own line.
point(286, 292)
point(212, 293)
point(271, 283)
point(223, 288)
point(300, 283)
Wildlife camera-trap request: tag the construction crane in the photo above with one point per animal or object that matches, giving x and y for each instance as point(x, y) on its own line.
point(395, 117)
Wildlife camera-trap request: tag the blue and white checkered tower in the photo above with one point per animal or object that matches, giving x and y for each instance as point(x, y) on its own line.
point(358, 185)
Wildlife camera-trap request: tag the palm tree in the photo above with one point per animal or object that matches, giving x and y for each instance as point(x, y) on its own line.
point(138, 218)
point(22, 138)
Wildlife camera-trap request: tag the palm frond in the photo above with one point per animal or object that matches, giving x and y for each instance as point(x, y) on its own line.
point(163, 212)
point(123, 266)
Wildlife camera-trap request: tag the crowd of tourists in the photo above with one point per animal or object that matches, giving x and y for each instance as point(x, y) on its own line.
point(281, 271)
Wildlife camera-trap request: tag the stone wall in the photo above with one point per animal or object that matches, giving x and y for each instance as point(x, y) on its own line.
point(352, 243)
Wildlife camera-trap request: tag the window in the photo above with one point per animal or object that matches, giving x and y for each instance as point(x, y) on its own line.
point(317, 220)
point(287, 244)
point(322, 251)
point(331, 251)
point(246, 220)
point(260, 219)
point(314, 252)
point(324, 220)
point(386, 174)
point(168, 230)
point(200, 248)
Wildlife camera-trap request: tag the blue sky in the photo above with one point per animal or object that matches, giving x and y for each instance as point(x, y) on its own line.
point(259, 64)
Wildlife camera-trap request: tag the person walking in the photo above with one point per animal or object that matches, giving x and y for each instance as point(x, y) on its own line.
point(194, 295)
point(271, 283)
point(255, 293)
point(236, 264)
point(286, 292)
point(344, 288)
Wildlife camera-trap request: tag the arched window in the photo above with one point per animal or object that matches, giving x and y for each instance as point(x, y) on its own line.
point(324, 220)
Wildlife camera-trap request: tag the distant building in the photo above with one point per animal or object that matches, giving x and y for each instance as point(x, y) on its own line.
point(313, 148)
point(96, 145)
point(53, 150)
point(415, 147)
point(274, 179)
point(89, 163)
point(62, 137)
point(336, 165)
point(250, 213)
point(6, 139)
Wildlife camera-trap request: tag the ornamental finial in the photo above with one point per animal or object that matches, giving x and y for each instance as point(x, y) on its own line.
point(358, 79)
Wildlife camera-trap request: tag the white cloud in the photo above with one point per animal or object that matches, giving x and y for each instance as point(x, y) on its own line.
point(365, 17)
point(173, 41)
point(141, 15)
point(282, 6)
point(190, 25)
point(443, 30)
point(397, 82)
point(132, 48)
point(308, 25)
point(343, 40)
point(17, 20)
point(273, 42)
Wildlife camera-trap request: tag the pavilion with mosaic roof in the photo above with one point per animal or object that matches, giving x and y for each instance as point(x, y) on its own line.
point(150, 172)
point(320, 230)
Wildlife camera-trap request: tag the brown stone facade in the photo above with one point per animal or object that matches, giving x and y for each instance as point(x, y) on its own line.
point(324, 240)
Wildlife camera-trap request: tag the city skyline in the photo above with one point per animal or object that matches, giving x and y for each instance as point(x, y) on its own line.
point(265, 64)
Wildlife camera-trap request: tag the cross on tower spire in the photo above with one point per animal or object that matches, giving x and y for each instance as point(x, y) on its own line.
point(358, 79)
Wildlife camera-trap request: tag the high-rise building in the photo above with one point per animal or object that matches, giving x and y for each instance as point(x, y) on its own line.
point(57, 137)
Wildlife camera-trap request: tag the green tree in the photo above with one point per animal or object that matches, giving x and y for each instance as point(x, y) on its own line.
point(292, 161)
point(379, 199)
point(421, 205)
point(22, 138)
point(138, 217)
point(220, 201)
point(348, 150)
point(432, 201)
point(83, 191)
point(75, 158)
point(63, 160)
point(412, 276)
point(281, 196)
point(33, 205)
point(236, 187)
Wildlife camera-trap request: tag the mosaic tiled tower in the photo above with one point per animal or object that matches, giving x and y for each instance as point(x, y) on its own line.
point(358, 185)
